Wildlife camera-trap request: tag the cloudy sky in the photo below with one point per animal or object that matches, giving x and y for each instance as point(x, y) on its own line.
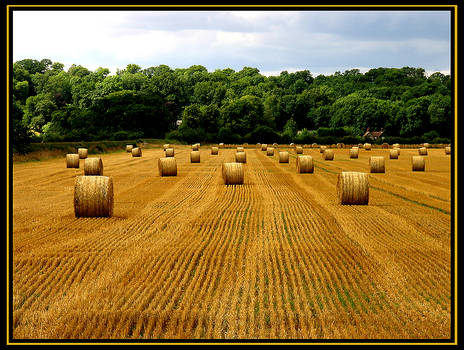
point(272, 41)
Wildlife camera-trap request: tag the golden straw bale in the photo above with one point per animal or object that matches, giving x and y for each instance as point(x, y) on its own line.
point(377, 164)
point(221, 145)
point(426, 145)
point(232, 173)
point(448, 150)
point(394, 153)
point(264, 147)
point(214, 150)
point(367, 146)
point(166, 146)
point(304, 164)
point(353, 188)
point(314, 145)
point(418, 163)
point(136, 152)
point(423, 151)
point(340, 145)
point(169, 152)
point(275, 145)
point(283, 157)
point(167, 166)
point(299, 150)
point(195, 147)
point(398, 149)
point(240, 149)
point(72, 160)
point(328, 154)
point(396, 145)
point(322, 149)
point(93, 196)
point(129, 148)
point(354, 152)
point(270, 151)
point(292, 144)
point(385, 145)
point(83, 152)
point(195, 157)
point(93, 166)
point(240, 157)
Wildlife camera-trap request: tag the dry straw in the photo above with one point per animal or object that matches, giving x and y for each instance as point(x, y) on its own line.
point(136, 152)
point(398, 149)
point(377, 164)
point(93, 166)
point(304, 164)
point(221, 145)
point(394, 153)
point(353, 188)
point(322, 149)
point(264, 147)
point(270, 151)
point(72, 160)
point(195, 157)
point(426, 145)
point(418, 163)
point(275, 145)
point(423, 151)
point(314, 145)
point(396, 145)
point(354, 152)
point(93, 196)
point(232, 173)
point(240, 149)
point(340, 145)
point(328, 154)
point(448, 150)
point(367, 146)
point(83, 152)
point(240, 157)
point(299, 150)
point(385, 145)
point(195, 147)
point(166, 146)
point(292, 144)
point(214, 150)
point(169, 152)
point(167, 166)
point(283, 157)
point(129, 148)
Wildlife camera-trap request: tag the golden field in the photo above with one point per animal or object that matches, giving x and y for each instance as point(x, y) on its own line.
point(187, 257)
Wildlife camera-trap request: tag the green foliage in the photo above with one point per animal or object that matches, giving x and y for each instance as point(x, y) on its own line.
point(225, 105)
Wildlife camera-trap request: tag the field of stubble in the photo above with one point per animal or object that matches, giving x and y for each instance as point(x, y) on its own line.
point(188, 257)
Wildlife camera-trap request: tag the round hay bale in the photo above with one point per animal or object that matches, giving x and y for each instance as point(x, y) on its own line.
point(423, 151)
point(448, 150)
point(283, 157)
point(240, 149)
point(398, 149)
point(221, 145)
point(340, 145)
point(299, 150)
point(93, 196)
point(214, 150)
point(385, 145)
point(264, 147)
point(292, 144)
point(93, 166)
point(240, 157)
point(396, 145)
point(166, 146)
point(322, 149)
point(83, 152)
point(270, 151)
point(136, 152)
point(169, 152)
point(354, 153)
point(232, 173)
point(195, 157)
point(353, 188)
point(129, 148)
point(377, 164)
point(275, 145)
point(72, 160)
point(367, 146)
point(195, 147)
point(314, 145)
point(418, 163)
point(394, 153)
point(167, 166)
point(328, 154)
point(304, 164)
point(426, 145)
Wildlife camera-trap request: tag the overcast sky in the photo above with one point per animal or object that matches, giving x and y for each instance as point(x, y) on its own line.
point(322, 42)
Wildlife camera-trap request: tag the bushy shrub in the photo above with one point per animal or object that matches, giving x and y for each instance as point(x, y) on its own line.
point(263, 134)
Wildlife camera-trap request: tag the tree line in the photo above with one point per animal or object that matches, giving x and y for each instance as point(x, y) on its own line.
point(51, 104)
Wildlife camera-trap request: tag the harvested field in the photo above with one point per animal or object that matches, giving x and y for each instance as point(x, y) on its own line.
point(187, 257)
